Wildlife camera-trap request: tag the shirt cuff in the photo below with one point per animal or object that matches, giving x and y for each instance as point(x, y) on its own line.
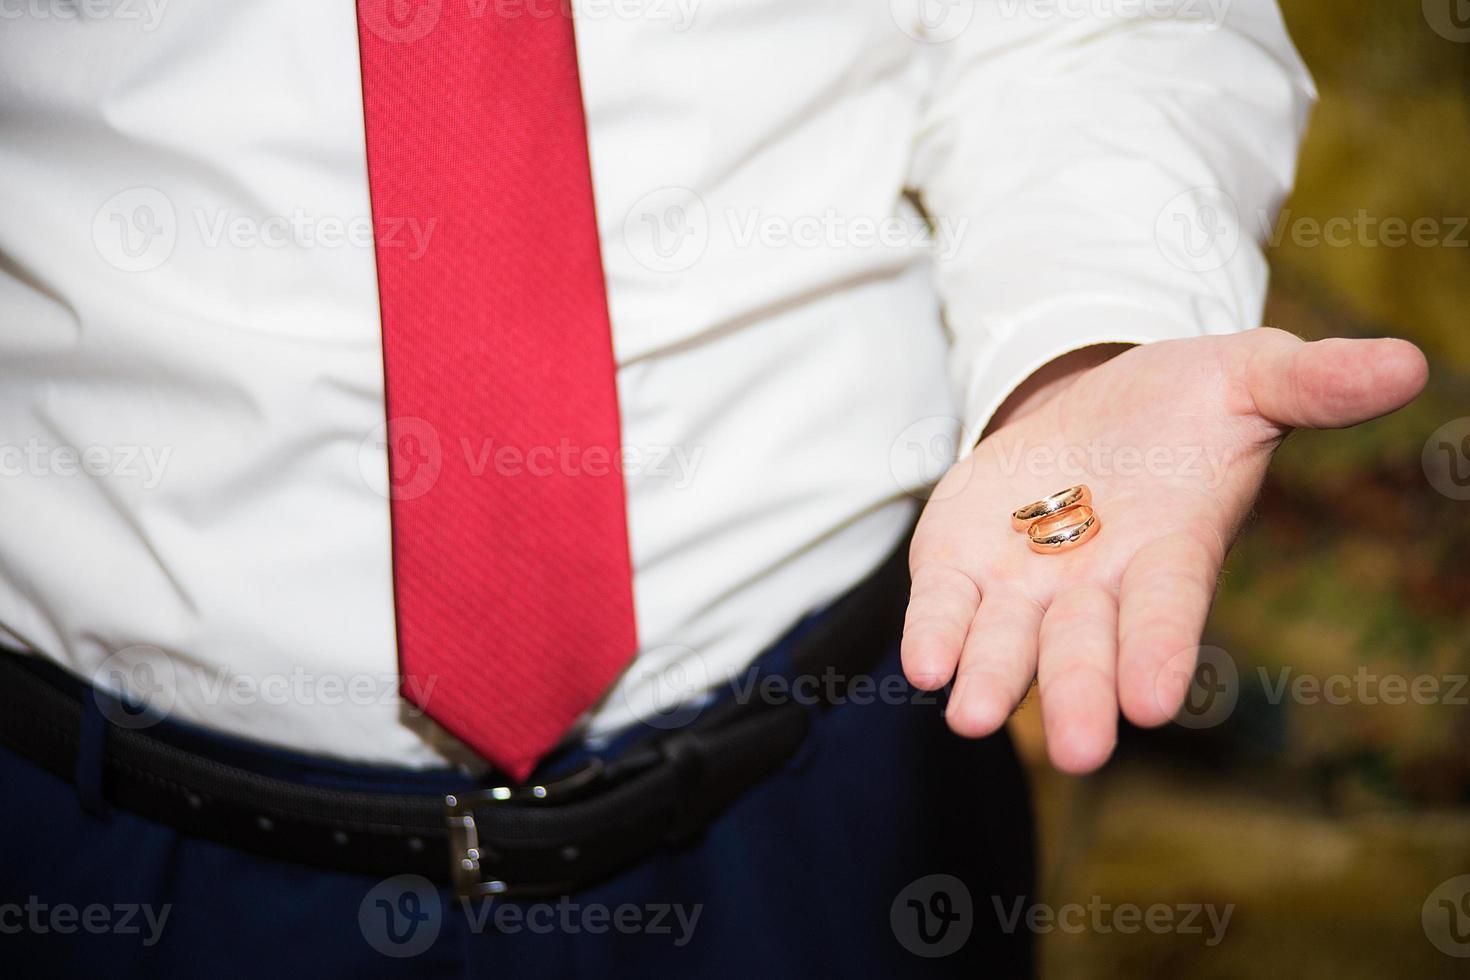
point(1031, 344)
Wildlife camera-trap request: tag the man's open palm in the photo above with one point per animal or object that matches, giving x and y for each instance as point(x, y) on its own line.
point(1174, 439)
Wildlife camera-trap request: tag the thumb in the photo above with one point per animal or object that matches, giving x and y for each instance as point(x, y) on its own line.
point(1334, 383)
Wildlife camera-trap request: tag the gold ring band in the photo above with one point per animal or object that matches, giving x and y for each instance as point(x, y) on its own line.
point(1064, 530)
point(1023, 518)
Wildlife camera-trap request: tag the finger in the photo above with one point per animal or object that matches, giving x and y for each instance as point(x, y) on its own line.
point(997, 664)
point(1165, 596)
point(1329, 384)
point(942, 602)
point(1077, 677)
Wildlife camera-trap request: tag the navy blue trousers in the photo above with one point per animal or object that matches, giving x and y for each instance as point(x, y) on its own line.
point(887, 847)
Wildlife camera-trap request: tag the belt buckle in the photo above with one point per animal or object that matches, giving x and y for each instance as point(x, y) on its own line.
point(465, 852)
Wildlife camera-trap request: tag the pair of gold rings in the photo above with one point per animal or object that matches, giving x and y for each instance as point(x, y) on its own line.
point(1059, 522)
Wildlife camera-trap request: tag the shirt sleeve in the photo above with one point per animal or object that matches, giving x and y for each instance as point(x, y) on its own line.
point(1101, 172)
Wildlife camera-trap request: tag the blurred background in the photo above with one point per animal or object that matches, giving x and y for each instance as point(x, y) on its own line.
point(1319, 779)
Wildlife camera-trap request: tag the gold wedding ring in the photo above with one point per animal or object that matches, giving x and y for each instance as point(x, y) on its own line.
point(1022, 519)
point(1063, 530)
point(1059, 522)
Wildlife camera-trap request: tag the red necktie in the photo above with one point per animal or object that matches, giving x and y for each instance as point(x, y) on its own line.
point(511, 572)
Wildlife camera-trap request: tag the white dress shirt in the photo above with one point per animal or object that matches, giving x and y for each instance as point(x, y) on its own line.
point(191, 394)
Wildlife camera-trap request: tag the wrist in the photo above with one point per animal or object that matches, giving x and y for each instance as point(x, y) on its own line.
point(1049, 381)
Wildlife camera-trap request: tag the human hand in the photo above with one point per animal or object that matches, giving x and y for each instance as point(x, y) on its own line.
point(1115, 623)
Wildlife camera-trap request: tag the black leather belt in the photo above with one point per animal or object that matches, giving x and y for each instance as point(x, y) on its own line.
point(545, 838)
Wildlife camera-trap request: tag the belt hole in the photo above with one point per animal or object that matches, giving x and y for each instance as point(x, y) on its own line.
point(265, 823)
